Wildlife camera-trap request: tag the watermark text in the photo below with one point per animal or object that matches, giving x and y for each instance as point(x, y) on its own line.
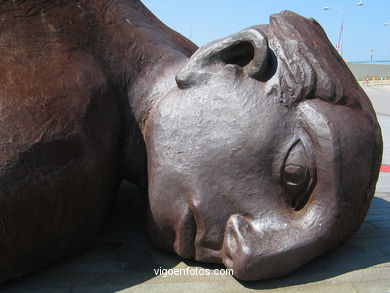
point(192, 272)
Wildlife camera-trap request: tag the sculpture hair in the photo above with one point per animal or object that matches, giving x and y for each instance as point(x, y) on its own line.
point(305, 70)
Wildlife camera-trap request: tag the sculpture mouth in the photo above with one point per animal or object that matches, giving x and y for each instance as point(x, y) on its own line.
point(229, 249)
point(186, 231)
point(189, 240)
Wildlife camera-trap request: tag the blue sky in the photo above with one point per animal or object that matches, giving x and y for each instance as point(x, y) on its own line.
point(205, 20)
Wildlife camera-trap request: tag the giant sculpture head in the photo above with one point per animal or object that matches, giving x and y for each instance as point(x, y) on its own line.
point(266, 153)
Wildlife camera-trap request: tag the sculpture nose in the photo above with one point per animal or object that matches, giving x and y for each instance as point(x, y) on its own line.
point(232, 241)
point(254, 251)
point(239, 252)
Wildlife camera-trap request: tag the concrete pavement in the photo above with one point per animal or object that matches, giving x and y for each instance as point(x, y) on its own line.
point(122, 260)
point(380, 98)
point(383, 184)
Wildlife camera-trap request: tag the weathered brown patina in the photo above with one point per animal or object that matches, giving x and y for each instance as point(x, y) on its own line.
point(262, 150)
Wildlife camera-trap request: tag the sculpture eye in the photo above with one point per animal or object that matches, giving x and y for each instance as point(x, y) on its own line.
point(297, 175)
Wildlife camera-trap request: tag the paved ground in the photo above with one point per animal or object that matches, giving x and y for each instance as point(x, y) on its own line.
point(380, 96)
point(384, 122)
point(121, 259)
point(384, 179)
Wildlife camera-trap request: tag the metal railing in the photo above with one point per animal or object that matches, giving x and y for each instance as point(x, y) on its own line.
point(374, 80)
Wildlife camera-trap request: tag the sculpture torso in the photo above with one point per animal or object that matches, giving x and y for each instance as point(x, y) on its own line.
point(77, 83)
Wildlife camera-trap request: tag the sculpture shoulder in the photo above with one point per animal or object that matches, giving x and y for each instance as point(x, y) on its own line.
point(49, 82)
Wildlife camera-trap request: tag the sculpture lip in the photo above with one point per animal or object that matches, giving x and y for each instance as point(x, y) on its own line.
point(188, 240)
point(186, 231)
point(227, 255)
point(201, 250)
point(205, 254)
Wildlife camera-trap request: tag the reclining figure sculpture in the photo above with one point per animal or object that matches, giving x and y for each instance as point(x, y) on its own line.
point(259, 151)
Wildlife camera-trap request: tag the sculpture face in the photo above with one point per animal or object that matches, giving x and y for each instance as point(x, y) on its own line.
point(259, 163)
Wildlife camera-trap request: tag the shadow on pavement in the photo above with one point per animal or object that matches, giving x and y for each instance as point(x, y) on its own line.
point(122, 257)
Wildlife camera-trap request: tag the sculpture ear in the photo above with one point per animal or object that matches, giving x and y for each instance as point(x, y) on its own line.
point(247, 49)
